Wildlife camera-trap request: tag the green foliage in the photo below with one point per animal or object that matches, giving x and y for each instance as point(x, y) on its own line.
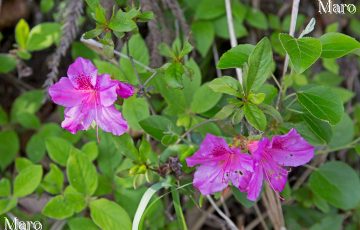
point(338, 184)
point(303, 52)
point(184, 89)
point(109, 215)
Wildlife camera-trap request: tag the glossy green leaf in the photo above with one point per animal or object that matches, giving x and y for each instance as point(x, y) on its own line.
point(109, 215)
point(321, 103)
point(157, 126)
point(255, 116)
point(22, 33)
point(204, 34)
point(134, 110)
point(7, 63)
point(27, 180)
point(209, 9)
point(338, 184)
point(54, 180)
point(259, 65)
point(303, 52)
point(204, 99)
point(59, 150)
point(82, 174)
point(227, 85)
point(335, 45)
point(43, 36)
point(58, 208)
point(235, 57)
point(9, 147)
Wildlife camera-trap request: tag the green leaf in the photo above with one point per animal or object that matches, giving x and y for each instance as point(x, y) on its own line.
point(140, 53)
point(58, 208)
point(343, 132)
point(27, 180)
point(209, 9)
point(335, 45)
point(321, 129)
point(22, 163)
point(46, 5)
point(157, 126)
point(222, 30)
point(321, 103)
point(331, 222)
point(122, 22)
point(7, 63)
point(227, 85)
point(303, 52)
point(134, 110)
point(268, 109)
point(75, 199)
point(81, 223)
point(225, 112)
point(257, 19)
point(59, 150)
point(236, 57)
point(43, 36)
point(203, 34)
point(241, 197)
point(7, 204)
point(260, 65)
point(27, 103)
point(22, 33)
point(337, 183)
point(178, 210)
point(5, 187)
point(109, 215)
point(204, 99)
point(328, 78)
point(9, 147)
point(82, 174)
point(54, 180)
point(91, 150)
point(255, 116)
point(28, 120)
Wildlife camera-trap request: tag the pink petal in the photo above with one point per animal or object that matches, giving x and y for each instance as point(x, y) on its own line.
point(240, 169)
point(82, 74)
point(291, 149)
point(106, 90)
point(212, 149)
point(275, 175)
point(209, 179)
point(125, 90)
point(78, 118)
point(255, 184)
point(63, 93)
point(110, 119)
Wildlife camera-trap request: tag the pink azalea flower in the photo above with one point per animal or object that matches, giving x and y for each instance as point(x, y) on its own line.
point(219, 165)
point(89, 97)
point(270, 156)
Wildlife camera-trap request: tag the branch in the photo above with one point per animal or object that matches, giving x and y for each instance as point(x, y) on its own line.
point(97, 45)
point(217, 209)
point(232, 35)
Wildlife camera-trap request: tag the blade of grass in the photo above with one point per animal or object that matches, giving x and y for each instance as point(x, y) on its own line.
point(178, 210)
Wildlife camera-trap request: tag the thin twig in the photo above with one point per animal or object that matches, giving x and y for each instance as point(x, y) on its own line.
point(260, 216)
point(216, 59)
point(218, 210)
point(232, 35)
point(97, 45)
point(195, 127)
point(294, 14)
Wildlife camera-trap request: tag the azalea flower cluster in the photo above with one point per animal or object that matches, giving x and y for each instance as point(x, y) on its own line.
point(89, 97)
point(221, 164)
